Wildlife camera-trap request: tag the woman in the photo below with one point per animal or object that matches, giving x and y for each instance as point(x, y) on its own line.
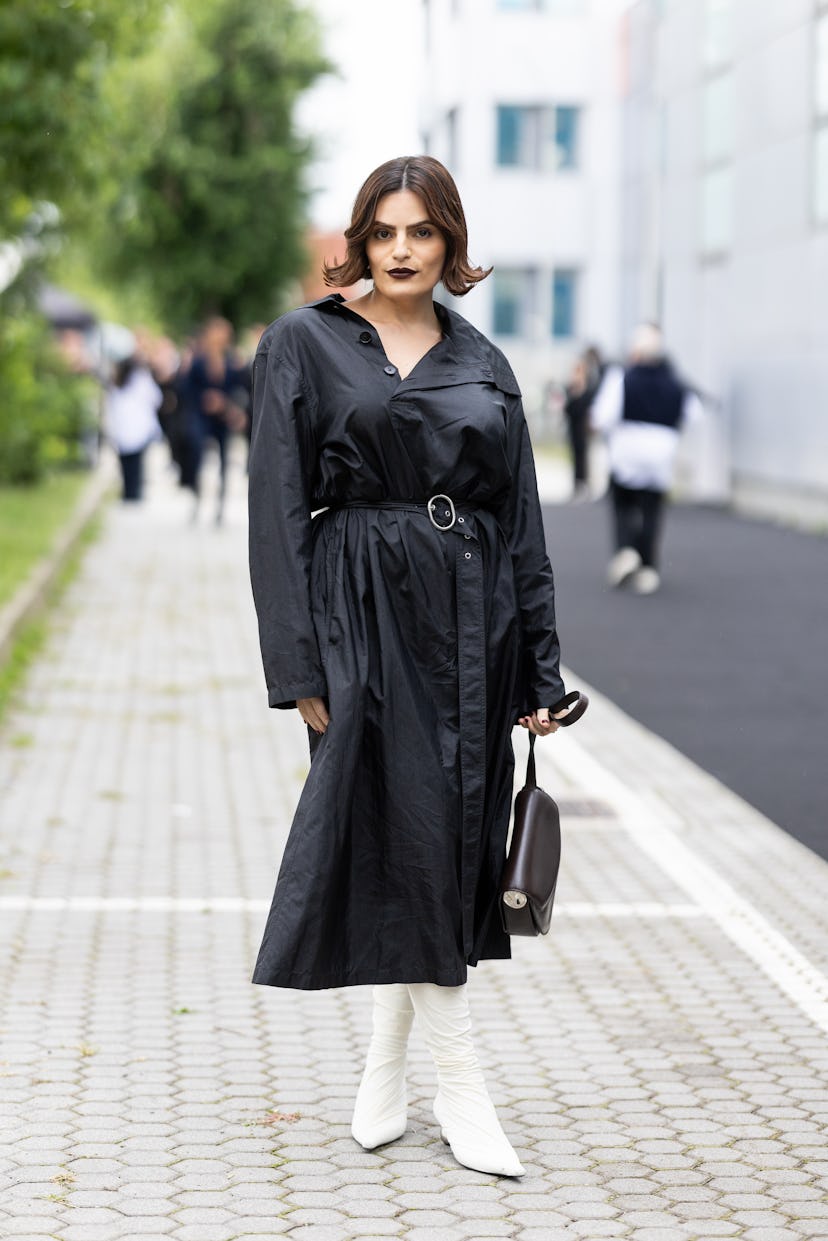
point(412, 624)
point(217, 391)
point(131, 407)
point(579, 395)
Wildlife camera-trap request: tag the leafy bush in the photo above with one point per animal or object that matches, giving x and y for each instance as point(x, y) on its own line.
point(44, 410)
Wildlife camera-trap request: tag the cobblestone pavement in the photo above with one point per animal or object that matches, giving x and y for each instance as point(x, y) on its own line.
point(659, 1059)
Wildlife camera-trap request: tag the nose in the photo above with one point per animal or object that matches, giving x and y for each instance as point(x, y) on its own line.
point(401, 247)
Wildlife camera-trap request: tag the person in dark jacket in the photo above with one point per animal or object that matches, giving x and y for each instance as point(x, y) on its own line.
point(217, 388)
point(412, 623)
point(584, 382)
point(641, 411)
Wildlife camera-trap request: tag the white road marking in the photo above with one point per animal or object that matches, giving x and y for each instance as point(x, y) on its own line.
point(240, 904)
point(646, 821)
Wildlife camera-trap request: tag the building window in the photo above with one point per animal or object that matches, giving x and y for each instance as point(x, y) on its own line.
point(538, 137)
point(566, 136)
point(513, 300)
point(564, 302)
point(717, 211)
point(516, 138)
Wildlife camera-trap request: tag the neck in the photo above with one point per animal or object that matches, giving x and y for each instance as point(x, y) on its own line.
point(403, 312)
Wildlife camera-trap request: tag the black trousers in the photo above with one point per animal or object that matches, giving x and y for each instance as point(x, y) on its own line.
point(577, 425)
point(132, 472)
point(638, 517)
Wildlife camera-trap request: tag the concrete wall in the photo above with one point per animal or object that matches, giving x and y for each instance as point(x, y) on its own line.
point(478, 56)
point(747, 319)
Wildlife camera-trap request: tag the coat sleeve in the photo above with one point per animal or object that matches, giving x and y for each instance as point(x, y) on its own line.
point(519, 514)
point(281, 465)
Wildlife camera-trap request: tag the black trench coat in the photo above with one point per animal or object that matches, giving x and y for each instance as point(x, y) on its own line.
point(427, 644)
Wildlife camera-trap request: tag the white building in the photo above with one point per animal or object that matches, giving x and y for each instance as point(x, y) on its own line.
point(522, 105)
point(725, 223)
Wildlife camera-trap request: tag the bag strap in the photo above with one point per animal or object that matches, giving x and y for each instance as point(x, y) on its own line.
point(531, 778)
point(577, 703)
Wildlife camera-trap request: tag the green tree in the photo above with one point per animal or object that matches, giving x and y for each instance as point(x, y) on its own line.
point(44, 411)
point(207, 206)
point(53, 59)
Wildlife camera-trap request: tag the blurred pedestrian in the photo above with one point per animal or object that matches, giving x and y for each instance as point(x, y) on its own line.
point(641, 410)
point(412, 623)
point(218, 395)
point(164, 361)
point(131, 407)
point(584, 383)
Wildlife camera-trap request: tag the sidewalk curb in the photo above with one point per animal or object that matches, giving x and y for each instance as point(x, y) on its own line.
point(32, 596)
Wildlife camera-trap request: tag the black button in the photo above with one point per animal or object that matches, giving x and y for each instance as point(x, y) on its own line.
point(390, 370)
point(365, 338)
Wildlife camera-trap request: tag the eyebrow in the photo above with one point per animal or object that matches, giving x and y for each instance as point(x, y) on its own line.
point(419, 224)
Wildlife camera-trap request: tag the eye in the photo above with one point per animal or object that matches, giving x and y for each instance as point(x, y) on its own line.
point(382, 234)
point(423, 232)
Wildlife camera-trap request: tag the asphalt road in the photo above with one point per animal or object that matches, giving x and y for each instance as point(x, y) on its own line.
point(728, 662)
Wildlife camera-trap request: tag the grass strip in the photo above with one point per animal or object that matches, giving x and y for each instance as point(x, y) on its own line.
point(30, 520)
point(31, 637)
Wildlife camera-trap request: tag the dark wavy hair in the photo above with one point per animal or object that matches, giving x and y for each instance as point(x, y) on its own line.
point(434, 183)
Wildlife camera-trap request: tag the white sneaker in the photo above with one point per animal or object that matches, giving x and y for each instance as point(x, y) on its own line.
point(646, 581)
point(623, 565)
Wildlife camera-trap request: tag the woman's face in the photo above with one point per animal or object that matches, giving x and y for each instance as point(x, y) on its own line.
point(406, 252)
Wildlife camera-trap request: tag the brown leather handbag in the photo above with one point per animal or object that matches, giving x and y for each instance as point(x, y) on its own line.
point(527, 889)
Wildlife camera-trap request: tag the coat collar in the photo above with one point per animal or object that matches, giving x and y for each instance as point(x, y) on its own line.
point(463, 356)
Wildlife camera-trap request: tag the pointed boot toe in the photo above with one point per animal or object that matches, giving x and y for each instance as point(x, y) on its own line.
point(482, 1147)
point(378, 1131)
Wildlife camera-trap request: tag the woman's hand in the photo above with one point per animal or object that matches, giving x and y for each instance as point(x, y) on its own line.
point(540, 723)
point(314, 712)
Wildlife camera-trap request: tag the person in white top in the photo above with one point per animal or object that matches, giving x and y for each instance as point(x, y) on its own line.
point(133, 400)
point(641, 410)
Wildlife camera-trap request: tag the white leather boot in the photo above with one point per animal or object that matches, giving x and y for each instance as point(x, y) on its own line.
point(381, 1109)
point(465, 1113)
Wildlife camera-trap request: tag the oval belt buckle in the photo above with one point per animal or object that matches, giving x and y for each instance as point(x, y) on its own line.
point(450, 511)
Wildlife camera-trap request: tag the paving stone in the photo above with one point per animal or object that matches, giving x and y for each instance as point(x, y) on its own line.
point(427, 1232)
point(269, 1229)
point(477, 1228)
point(656, 1082)
point(588, 1228)
point(152, 1226)
point(24, 1223)
point(770, 1234)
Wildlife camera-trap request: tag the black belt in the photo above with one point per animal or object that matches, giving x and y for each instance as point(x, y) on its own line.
point(438, 507)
